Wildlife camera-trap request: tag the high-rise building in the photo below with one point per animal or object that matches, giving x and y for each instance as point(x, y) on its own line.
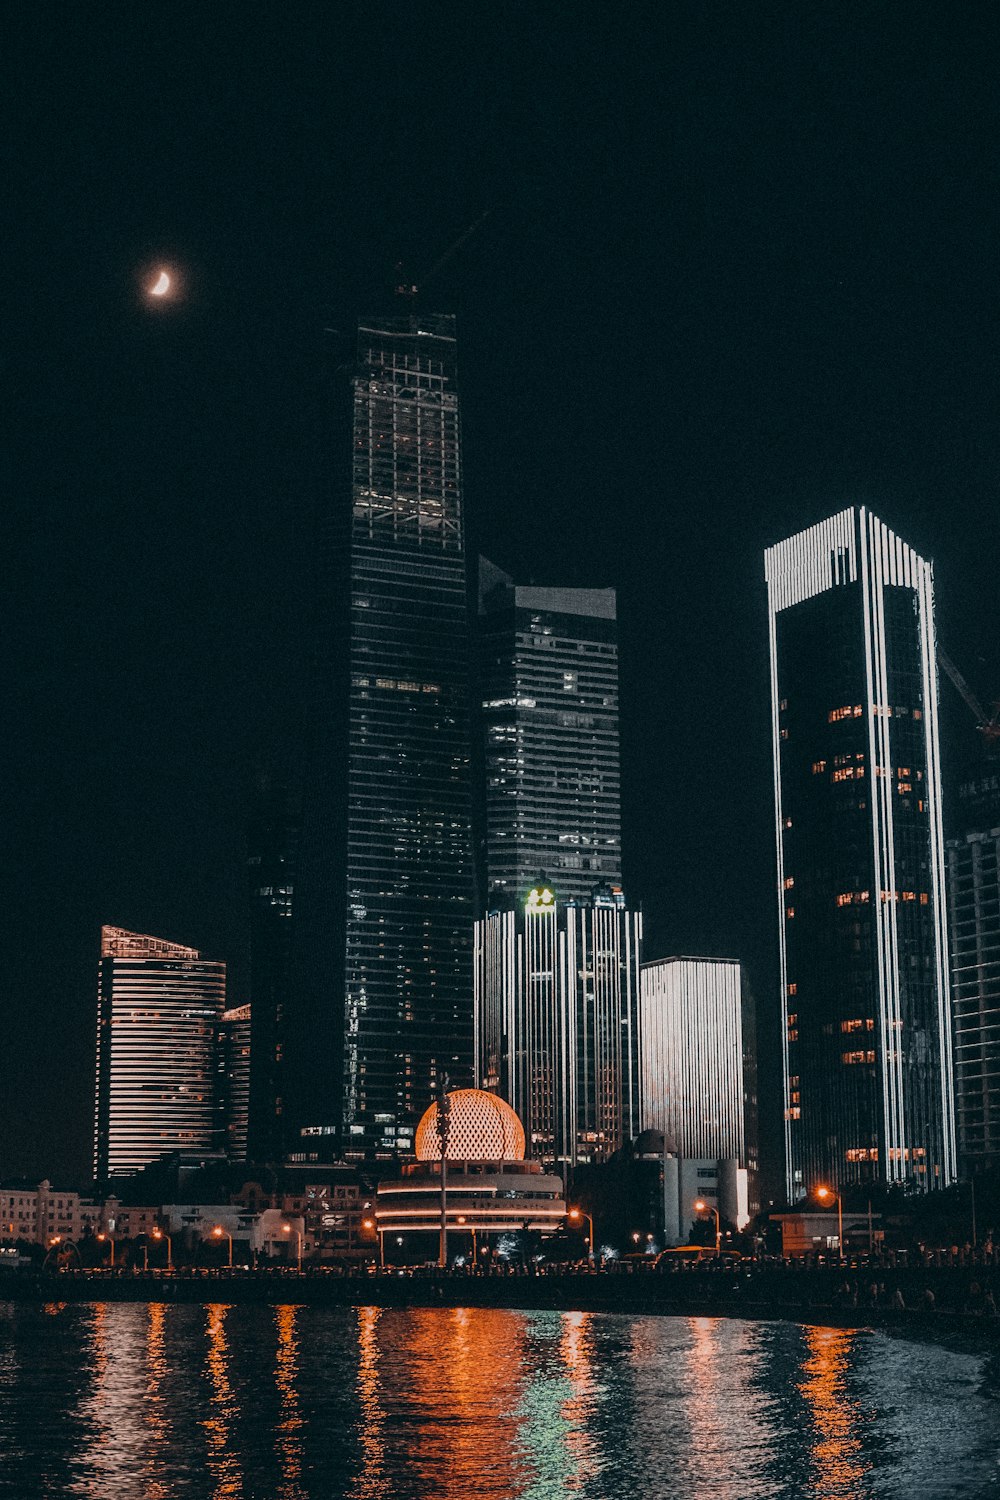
point(159, 1006)
point(232, 1081)
point(974, 933)
point(548, 685)
point(557, 990)
point(272, 857)
point(867, 1031)
point(699, 1068)
point(380, 1005)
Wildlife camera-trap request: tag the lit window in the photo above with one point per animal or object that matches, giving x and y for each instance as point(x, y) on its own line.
point(793, 989)
point(789, 882)
point(819, 766)
point(789, 911)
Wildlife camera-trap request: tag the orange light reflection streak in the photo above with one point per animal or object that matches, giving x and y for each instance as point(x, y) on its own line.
point(837, 1450)
point(289, 1432)
point(222, 1463)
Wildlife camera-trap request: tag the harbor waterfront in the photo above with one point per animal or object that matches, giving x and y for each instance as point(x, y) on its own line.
point(945, 1303)
point(393, 1403)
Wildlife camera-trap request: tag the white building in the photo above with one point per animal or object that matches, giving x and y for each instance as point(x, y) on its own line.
point(159, 1007)
point(556, 1000)
point(698, 1070)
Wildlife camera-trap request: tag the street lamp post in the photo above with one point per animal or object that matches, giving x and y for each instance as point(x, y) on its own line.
point(161, 1234)
point(111, 1241)
point(370, 1224)
point(443, 1124)
point(704, 1207)
point(287, 1229)
point(578, 1213)
point(823, 1193)
point(475, 1259)
point(218, 1232)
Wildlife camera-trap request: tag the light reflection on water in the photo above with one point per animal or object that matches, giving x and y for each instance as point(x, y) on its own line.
point(298, 1403)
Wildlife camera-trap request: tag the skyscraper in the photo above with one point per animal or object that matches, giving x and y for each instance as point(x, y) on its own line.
point(272, 857)
point(557, 990)
point(232, 1081)
point(699, 1070)
point(974, 933)
point(159, 1006)
point(548, 681)
point(382, 983)
point(867, 1043)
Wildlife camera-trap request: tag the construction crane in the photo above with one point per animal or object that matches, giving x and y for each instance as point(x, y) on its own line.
point(987, 724)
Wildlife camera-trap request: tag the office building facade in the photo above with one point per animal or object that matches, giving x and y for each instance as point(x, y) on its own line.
point(698, 1061)
point(232, 1081)
point(867, 1036)
point(159, 1007)
point(382, 970)
point(548, 689)
point(974, 933)
point(556, 992)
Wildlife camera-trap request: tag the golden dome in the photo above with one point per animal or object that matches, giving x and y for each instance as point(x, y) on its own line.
point(481, 1127)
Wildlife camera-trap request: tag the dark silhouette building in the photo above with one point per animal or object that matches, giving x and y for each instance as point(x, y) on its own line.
point(380, 1006)
point(272, 858)
point(974, 936)
point(867, 1034)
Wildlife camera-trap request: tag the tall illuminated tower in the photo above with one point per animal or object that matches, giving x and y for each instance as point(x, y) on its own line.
point(864, 969)
point(159, 1007)
point(380, 1002)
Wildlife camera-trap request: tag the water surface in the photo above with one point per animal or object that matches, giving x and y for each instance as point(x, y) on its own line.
point(302, 1403)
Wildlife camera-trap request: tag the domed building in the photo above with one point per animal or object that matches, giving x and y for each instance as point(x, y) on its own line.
point(480, 1127)
point(489, 1188)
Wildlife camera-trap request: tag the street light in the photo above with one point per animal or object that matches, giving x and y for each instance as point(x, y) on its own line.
point(704, 1207)
point(823, 1193)
point(111, 1240)
point(371, 1226)
point(287, 1229)
point(578, 1213)
point(161, 1234)
point(218, 1232)
point(475, 1259)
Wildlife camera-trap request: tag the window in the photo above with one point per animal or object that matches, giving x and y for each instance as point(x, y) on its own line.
point(819, 766)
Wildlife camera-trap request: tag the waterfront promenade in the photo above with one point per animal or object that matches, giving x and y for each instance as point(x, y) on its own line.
point(936, 1300)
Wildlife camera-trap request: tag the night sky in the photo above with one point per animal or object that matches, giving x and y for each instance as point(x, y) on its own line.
point(738, 270)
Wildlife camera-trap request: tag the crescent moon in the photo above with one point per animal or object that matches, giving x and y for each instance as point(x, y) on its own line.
point(162, 286)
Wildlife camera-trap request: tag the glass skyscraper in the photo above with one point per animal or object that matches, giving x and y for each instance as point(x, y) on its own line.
point(867, 1039)
point(974, 931)
point(159, 1008)
point(557, 994)
point(548, 681)
point(382, 981)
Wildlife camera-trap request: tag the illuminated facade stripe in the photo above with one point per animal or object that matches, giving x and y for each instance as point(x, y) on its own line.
point(854, 589)
point(159, 1009)
point(698, 1069)
point(556, 1001)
